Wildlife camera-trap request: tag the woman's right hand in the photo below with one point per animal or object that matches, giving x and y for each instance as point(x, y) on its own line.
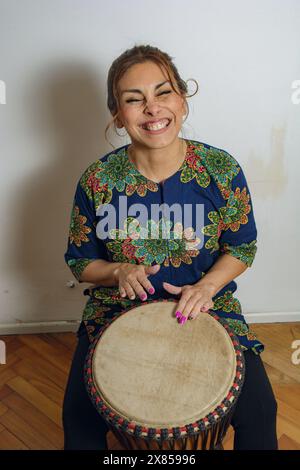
point(133, 280)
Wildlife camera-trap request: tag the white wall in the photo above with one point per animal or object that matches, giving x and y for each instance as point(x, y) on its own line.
point(55, 56)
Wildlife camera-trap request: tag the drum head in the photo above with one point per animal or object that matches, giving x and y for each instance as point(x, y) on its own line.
point(151, 370)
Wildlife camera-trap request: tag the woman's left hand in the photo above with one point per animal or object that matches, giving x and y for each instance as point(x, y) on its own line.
point(194, 299)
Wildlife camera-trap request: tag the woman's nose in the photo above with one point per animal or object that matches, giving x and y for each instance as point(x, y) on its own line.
point(152, 106)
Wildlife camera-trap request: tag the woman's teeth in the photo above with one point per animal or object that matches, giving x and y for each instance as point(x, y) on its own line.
point(157, 126)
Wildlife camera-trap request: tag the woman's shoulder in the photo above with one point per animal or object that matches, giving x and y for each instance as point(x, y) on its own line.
point(100, 164)
point(100, 176)
point(219, 165)
point(213, 155)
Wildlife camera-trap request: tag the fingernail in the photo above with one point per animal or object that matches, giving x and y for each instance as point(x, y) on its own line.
point(143, 297)
point(132, 296)
point(182, 320)
point(151, 290)
point(178, 314)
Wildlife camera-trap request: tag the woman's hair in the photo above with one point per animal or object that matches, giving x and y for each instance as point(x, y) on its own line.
point(139, 55)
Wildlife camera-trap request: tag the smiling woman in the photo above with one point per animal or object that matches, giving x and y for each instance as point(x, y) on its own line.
point(150, 101)
point(147, 96)
point(133, 88)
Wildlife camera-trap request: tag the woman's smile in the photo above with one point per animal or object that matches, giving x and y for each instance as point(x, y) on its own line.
point(158, 127)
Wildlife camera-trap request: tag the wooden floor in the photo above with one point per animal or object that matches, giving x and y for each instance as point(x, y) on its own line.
point(33, 380)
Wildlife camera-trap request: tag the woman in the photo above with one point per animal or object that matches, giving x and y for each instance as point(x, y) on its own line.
point(148, 98)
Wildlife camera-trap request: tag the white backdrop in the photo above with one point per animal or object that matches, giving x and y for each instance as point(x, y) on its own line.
point(55, 56)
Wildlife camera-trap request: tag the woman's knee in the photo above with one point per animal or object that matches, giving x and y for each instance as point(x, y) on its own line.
point(257, 401)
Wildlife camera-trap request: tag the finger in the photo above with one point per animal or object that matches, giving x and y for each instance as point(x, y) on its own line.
point(122, 291)
point(181, 306)
point(138, 288)
point(176, 290)
point(206, 306)
point(129, 290)
point(196, 311)
point(190, 304)
point(144, 281)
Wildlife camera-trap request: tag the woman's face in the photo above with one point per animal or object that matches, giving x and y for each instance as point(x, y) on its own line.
point(155, 102)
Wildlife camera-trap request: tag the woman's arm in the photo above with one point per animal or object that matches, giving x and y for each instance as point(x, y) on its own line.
point(224, 270)
point(101, 272)
point(132, 279)
point(198, 297)
point(86, 254)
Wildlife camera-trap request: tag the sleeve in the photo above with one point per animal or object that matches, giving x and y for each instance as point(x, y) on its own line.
point(83, 245)
point(239, 234)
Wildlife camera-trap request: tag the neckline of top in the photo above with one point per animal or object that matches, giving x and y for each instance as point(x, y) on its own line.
point(136, 171)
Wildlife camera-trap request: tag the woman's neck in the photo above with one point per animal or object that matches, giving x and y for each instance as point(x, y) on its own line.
point(158, 164)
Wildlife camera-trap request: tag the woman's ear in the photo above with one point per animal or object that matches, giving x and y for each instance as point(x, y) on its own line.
point(184, 108)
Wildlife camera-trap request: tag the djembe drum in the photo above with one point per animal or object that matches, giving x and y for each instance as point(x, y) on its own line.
point(162, 385)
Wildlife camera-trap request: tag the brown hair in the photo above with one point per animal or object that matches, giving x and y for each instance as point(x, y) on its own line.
point(137, 55)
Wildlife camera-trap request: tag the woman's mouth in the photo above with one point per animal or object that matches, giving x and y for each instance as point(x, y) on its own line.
point(156, 128)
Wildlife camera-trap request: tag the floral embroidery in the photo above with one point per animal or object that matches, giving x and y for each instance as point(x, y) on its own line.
point(78, 229)
point(153, 247)
point(227, 303)
point(193, 167)
point(110, 295)
point(78, 265)
point(106, 303)
point(92, 186)
point(245, 252)
point(222, 166)
point(229, 217)
point(119, 172)
point(186, 242)
point(94, 310)
point(141, 186)
point(155, 243)
point(237, 209)
point(203, 162)
point(214, 230)
point(241, 329)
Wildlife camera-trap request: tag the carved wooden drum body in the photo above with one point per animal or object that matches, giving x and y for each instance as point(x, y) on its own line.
point(162, 385)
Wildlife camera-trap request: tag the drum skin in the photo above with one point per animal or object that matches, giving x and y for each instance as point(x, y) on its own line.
point(162, 385)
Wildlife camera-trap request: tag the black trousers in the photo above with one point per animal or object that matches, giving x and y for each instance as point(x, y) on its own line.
point(254, 419)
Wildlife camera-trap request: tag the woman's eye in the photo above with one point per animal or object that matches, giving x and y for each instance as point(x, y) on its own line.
point(165, 92)
point(162, 93)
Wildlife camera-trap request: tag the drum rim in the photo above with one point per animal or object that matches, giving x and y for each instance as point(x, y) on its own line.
point(190, 429)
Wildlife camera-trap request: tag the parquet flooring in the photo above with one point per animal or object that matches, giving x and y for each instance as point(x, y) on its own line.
point(33, 380)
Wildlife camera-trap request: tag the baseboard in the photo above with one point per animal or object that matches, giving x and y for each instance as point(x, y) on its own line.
point(72, 325)
point(38, 327)
point(272, 317)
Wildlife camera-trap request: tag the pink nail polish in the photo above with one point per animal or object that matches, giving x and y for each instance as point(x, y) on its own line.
point(151, 290)
point(178, 314)
point(143, 297)
point(182, 320)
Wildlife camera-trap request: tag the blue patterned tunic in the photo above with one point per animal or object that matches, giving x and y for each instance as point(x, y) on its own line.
point(209, 178)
